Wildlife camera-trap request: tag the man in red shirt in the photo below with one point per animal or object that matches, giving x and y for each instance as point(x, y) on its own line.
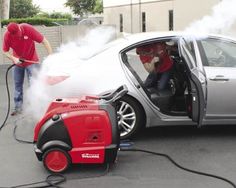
point(157, 62)
point(21, 39)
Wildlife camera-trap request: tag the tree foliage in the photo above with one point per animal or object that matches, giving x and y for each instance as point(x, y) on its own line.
point(36, 21)
point(23, 9)
point(81, 7)
point(55, 15)
point(98, 7)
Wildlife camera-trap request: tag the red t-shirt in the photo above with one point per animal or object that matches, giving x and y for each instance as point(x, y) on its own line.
point(166, 65)
point(24, 46)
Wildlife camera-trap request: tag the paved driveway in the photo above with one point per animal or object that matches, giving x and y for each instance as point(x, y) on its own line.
point(210, 149)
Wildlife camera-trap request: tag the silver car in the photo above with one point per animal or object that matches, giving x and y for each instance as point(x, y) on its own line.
point(201, 89)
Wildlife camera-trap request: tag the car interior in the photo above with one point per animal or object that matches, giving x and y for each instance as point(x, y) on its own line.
point(175, 100)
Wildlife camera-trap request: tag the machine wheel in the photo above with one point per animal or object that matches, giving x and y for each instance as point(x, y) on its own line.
point(130, 115)
point(56, 160)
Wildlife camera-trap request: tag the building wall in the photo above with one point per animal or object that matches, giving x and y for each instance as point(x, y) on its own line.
point(157, 13)
point(187, 11)
point(113, 16)
point(132, 12)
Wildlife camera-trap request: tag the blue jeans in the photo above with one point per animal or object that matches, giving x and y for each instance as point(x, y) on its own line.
point(18, 77)
point(159, 80)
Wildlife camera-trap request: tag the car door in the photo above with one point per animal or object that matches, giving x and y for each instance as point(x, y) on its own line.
point(219, 60)
point(197, 80)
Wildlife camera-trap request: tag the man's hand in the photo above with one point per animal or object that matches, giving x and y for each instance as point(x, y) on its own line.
point(16, 60)
point(155, 60)
point(13, 58)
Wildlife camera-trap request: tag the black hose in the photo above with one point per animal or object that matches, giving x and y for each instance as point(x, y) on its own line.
point(179, 166)
point(15, 136)
point(52, 180)
point(8, 97)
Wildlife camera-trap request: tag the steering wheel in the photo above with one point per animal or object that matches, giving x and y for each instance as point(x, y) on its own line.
point(219, 60)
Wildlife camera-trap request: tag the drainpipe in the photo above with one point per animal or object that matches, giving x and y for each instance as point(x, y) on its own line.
point(131, 16)
point(1, 55)
point(140, 17)
point(5, 9)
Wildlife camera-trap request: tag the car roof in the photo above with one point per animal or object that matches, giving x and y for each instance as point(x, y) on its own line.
point(130, 39)
point(152, 35)
point(127, 39)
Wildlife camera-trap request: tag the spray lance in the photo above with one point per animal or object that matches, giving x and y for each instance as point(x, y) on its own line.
point(24, 60)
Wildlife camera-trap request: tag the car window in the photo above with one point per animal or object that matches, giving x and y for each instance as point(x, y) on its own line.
point(135, 63)
point(219, 53)
point(136, 60)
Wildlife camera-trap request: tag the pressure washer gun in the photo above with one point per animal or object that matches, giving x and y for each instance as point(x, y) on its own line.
point(24, 60)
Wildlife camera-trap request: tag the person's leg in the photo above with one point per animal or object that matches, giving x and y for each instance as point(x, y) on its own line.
point(151, 80)
point(18, 76)
point(30, 70)
point(163, 80)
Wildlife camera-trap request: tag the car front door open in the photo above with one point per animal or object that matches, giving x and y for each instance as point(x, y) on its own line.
point(197, 81)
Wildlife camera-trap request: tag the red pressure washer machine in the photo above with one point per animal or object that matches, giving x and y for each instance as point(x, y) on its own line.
point(78, 130)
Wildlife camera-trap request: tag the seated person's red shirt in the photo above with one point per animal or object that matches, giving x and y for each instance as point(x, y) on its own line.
point(165, 66)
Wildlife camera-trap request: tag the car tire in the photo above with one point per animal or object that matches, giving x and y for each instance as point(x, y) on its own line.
point(56, 160)
point(131, 117)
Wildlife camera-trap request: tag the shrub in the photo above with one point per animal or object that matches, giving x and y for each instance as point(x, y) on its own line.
point(36, 21)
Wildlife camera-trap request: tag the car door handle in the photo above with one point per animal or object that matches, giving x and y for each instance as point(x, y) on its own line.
point(219, 78)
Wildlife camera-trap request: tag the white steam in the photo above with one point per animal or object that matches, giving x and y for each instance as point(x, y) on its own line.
point(220, 21)
point(64, 63)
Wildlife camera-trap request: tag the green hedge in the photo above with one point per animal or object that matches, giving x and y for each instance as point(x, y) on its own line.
point(36, 21)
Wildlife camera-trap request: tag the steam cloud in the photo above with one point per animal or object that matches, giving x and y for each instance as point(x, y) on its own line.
point(220, 21)
point(66, 62)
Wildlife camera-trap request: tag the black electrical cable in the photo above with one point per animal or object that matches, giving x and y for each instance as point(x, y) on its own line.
point(9, 106)
point(52, 180)
point(15, 137)
point(8, 94)
point(178, 165)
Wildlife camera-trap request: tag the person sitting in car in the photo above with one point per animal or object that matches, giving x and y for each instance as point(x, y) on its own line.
point(157, 62)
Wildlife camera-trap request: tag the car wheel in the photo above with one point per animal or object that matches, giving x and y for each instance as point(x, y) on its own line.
point(56, 160)
point(130, 117)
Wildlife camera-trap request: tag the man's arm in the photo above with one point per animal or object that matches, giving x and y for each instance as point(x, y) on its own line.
point(6, 49)
point(11, 57)
point(47, 45)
